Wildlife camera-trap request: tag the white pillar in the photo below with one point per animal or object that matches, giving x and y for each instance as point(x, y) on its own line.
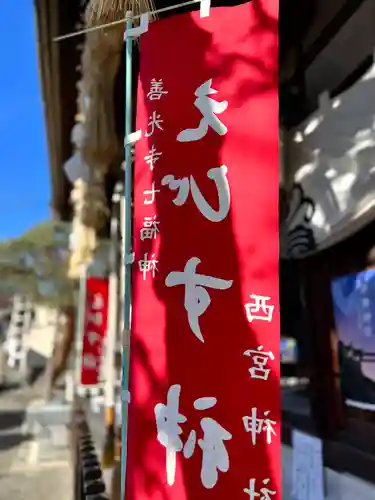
point(109, 370)
point(50, 361)
point(26, 325)
point(69, 386)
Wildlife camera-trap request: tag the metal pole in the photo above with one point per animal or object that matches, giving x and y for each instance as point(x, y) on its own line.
point(81, 320)
point(127, 249)
point(112, 329)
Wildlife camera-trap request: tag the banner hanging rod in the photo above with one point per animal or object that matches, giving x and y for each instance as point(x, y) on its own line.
point(123, 21)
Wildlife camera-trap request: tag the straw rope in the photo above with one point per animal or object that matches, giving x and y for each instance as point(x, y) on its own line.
point(108, 11)
point(99, 145)
point(100, 63)
point(90, 213)
point(84, 248)
point(89, 203)
point(152, 13)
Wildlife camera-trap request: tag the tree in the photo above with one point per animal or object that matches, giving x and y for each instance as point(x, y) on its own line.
point(35, 265)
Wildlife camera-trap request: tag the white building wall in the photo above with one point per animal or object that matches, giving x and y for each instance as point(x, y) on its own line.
point(41, 336)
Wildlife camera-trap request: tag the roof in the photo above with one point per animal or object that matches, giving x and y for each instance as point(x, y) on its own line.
point(58, 62)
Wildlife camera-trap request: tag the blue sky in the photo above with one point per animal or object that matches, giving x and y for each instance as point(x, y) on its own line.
point(24, 171)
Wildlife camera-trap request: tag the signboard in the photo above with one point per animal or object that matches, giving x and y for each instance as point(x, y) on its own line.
point(94, 330)
point(288, 350)
point(307, 467)
point(354, 301)
point(204, 417)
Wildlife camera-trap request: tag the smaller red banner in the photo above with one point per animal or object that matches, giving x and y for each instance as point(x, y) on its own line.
point(94, 330)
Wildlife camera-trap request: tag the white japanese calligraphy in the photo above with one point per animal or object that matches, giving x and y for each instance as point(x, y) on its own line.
point(98, 302)
point(89, 361)
point(150, 195)
point(257, 425)
point(147, 265)
point(215, 455)
point(93, 337)
point(209, 109)
point(155, 122)
point(156, 90)
point(96, 318)
point(366, 302)
point(197, 299)
point(149, 229)
point(264, 494)
point(259, 309)
point(365, 317)
point(152, 157)
point(168, 420)
point(219, 176)
point(260, 360)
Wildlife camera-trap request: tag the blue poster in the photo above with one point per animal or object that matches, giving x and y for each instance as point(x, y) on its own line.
point(354, 309)
point(288, 350)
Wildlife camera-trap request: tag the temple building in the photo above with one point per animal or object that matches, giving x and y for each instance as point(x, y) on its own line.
point(327, 193)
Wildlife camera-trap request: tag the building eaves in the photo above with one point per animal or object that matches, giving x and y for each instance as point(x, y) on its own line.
point(59, 73)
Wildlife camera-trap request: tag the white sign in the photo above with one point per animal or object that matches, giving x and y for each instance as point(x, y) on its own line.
point(307, 467)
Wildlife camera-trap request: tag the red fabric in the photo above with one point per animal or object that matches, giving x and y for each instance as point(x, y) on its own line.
point(95, 330)
point(236, 47)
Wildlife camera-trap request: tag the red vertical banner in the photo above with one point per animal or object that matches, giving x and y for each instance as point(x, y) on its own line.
point(204, 417)
point(95, 328)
